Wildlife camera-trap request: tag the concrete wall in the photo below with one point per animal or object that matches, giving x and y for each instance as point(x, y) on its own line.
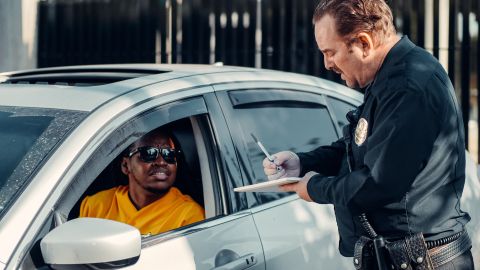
point(18, 34)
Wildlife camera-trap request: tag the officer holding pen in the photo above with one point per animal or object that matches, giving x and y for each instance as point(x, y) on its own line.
point(396, 176)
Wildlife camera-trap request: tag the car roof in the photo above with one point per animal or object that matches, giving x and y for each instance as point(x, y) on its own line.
point(85, 88)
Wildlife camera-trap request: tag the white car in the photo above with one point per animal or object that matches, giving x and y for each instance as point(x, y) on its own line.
point(62, 131)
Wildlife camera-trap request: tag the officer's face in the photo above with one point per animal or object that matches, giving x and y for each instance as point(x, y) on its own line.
point(348, 61)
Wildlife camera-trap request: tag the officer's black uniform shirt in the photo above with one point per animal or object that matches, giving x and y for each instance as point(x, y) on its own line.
point(406, 161)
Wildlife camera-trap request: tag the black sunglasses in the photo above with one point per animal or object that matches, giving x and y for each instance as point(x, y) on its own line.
point(149, 154)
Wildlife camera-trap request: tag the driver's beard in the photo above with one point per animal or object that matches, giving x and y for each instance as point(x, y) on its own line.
point(158, 191)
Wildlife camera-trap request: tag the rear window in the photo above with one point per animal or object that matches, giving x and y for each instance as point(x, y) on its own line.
point(27, 136)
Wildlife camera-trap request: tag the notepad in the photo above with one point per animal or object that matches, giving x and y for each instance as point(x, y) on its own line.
point(268, 186)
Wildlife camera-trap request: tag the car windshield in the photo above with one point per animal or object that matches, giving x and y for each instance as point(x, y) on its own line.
point(27, 136)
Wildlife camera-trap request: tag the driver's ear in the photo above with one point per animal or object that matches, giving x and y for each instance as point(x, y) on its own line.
point(125, 166)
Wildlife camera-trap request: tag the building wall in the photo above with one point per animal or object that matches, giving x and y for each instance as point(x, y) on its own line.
point(18, 20)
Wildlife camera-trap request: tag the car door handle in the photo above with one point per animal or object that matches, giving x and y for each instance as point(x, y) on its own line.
point(238, 263)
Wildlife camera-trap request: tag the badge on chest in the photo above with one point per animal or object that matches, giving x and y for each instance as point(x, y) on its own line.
point(361, 131)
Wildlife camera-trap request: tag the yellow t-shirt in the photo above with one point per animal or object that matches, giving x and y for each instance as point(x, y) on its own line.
point(167, 213)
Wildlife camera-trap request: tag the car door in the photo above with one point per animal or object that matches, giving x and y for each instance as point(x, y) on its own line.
point(226, 239)
point(295, 234)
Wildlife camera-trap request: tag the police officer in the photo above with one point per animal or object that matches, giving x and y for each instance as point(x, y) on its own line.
point(400, 167)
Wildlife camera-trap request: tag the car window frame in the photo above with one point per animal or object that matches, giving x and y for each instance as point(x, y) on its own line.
point(113, 145)
point(265, 90)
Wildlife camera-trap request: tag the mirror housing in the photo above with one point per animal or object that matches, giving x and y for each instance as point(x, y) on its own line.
point(91, 241)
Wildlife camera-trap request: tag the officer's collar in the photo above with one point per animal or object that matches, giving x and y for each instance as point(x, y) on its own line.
point(395, 55)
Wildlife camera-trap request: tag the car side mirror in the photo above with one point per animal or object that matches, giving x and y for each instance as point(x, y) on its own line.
point(101, 242)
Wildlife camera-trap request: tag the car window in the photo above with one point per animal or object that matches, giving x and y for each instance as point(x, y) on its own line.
point(340, 109)
point(27, 136)
point(103, 169)
point(292, 121)
point(188, 178)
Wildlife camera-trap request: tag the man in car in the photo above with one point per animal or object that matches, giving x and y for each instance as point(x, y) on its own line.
point(398, 172)
point(149, 202)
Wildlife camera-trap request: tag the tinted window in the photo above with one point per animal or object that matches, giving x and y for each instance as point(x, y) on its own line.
point(286, 125)
point(27, 135)
point(340, 109)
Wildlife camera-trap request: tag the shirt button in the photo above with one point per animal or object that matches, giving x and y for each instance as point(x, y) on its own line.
point(355, 261)
point(403, 266)
point(419, 260)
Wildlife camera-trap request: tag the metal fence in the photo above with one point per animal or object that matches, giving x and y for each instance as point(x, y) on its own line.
point(274, 34)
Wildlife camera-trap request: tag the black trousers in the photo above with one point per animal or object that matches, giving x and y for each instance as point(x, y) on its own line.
point(462, 262)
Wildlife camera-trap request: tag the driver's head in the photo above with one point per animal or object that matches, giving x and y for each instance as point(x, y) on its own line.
point(151, 164)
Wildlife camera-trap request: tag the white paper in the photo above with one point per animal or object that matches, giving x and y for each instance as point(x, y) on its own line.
point(268, 186)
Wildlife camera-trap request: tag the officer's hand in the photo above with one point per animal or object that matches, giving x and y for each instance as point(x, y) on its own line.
point(300, 187)
point(289, 164)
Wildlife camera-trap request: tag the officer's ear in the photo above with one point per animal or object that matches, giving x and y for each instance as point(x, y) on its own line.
point(365, 42)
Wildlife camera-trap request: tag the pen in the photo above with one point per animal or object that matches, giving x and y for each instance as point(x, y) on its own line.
point(269, 157)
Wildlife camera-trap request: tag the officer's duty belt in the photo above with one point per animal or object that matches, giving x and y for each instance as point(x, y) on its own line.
point(413, 252)
point(447, 252)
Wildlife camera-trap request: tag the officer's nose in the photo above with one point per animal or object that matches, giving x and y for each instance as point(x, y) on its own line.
point(327, 61)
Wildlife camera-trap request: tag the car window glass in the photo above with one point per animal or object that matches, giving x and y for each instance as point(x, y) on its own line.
point(340, 109)
point(294, 126)
point(27, 135)
point(188, 176)
point(169, 181)
point(107, 174)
